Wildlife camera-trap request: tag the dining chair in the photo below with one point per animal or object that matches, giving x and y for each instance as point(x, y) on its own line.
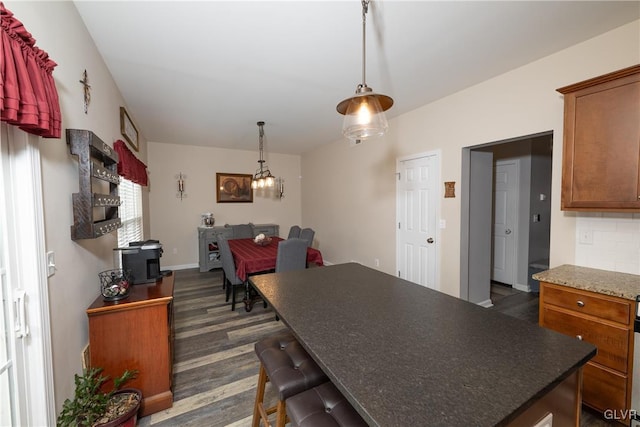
point(294, 232)
point(292, 255)
point(242, 231)
point(229, 270)
point(307, 235)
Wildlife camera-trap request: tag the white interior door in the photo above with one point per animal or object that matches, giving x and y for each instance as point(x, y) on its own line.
point(417, 239)
point(505, 225)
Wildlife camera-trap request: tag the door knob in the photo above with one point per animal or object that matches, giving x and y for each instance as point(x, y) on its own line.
point(430, 240)
point(507, 231)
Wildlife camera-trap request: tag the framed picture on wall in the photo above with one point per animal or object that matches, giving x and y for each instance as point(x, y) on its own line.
point(233, 188)
point(128, 129)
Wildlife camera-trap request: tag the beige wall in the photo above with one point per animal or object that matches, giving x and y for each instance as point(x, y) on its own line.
point(349, 192)
point(59, 30)
point(174, 222)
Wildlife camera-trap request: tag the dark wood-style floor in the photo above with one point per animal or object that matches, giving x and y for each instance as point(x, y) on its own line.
point(216, 370)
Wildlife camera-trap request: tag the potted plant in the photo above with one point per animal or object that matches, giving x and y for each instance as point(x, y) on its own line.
point(91, 406)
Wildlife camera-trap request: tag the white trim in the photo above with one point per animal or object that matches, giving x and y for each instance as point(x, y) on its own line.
point(523, 288)
point(30, 271)
point(180, 267)
point(486, 303)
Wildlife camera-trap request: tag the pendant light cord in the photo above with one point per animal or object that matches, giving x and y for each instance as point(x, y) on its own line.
point(365, 9)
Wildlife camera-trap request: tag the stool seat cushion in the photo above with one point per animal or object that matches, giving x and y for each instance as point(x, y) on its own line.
point(322, 406)
point(289, 367)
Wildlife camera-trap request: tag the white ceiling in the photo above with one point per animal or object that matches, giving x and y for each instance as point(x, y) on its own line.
point(204, 72)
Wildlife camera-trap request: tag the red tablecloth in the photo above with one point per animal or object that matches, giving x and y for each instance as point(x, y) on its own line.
point(252, 258)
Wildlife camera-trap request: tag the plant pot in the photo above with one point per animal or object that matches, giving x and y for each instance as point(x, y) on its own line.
point(130, 417)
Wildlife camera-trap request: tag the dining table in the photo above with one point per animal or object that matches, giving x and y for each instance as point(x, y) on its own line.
point(406, 355)
point(253, 258)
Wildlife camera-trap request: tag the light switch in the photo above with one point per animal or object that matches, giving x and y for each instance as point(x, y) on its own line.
point(51, 264)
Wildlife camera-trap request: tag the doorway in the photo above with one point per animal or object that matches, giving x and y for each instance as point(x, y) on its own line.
point(529, 230)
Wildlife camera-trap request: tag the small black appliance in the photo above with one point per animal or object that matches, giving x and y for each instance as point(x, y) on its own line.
point(142, 261)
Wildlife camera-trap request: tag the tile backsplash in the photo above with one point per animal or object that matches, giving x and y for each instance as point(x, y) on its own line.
point(608, 241)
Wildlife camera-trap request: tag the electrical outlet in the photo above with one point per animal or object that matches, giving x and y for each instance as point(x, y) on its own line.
point(585, 237)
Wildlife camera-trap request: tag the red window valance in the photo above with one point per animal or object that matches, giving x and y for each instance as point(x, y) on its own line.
point(129, 166)
point(28, 95)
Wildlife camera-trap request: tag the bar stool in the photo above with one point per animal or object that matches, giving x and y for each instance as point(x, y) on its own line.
point(289, 368)
point(322, 406)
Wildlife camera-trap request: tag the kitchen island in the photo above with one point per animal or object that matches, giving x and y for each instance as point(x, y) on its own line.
point(406, 355)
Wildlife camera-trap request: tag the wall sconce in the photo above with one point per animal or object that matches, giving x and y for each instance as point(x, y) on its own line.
point(181, 193)
point(280, 187)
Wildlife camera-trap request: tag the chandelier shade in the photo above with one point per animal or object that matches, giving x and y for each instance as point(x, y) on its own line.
point(262, 178)
point(364, 112)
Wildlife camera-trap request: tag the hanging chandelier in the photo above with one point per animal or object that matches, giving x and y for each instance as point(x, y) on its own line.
point(262, 178)
point(364, 112)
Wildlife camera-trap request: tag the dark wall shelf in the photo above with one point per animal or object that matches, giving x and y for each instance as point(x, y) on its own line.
point(94, 213)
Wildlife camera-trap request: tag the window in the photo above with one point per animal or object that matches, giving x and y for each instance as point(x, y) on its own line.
point(130, 213)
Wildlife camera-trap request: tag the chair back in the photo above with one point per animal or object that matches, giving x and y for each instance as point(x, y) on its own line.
point(243, 231)
point(292, 255)
point(228, 265)
point(294, 232)
point(307, 235)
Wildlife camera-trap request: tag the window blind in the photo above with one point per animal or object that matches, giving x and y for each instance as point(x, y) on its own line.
point(130, 213)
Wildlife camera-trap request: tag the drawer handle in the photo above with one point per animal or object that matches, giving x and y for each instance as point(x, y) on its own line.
point(580, 303)
point(579, 337)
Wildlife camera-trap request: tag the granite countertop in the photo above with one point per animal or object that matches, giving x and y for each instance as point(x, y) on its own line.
point(621, 285)
point(407, 355)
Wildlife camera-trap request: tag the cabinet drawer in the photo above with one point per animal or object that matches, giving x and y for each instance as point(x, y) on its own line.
point(603, 389)
point(595, 305)
point(612, 341)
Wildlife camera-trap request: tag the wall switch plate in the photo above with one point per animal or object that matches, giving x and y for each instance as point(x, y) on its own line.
point(51, 263)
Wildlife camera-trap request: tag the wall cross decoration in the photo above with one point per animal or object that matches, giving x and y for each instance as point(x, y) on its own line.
point(87, 89)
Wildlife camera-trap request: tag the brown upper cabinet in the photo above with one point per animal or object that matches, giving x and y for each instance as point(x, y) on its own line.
point(601, 157)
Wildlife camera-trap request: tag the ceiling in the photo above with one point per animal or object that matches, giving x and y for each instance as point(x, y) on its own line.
point(204, 72)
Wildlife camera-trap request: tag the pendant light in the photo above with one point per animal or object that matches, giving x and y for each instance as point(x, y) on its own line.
point(262, 177)
point(364, 112)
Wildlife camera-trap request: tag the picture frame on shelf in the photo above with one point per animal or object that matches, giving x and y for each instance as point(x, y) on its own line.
point(128, 129)
point(233, 188)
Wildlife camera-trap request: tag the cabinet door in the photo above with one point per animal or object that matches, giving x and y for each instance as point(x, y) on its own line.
point(601, 164)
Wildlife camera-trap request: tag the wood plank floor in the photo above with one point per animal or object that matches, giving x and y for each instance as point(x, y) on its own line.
point(216, 369)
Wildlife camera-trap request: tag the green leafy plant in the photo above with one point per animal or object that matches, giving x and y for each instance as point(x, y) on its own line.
point(90, 403)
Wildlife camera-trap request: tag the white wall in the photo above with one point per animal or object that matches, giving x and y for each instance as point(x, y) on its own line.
point(174, 222)
point(352, 204)
point(59, 30)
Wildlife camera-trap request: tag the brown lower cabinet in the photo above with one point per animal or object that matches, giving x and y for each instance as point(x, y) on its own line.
point(137, 333)
point(604, 321)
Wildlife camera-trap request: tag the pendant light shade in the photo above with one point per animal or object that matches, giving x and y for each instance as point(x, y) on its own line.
point(364, 112)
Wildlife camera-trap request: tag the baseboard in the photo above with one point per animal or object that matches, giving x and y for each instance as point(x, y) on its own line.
point(485, 303)
point(180, 267)
point(523, 288)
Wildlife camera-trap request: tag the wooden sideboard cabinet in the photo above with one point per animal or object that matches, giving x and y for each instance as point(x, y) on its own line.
point(208, 253)
point(604, 321)
point(137, 333)
point(601, 156)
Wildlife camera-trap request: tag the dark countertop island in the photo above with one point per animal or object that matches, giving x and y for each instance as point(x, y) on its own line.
point(406, 355)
